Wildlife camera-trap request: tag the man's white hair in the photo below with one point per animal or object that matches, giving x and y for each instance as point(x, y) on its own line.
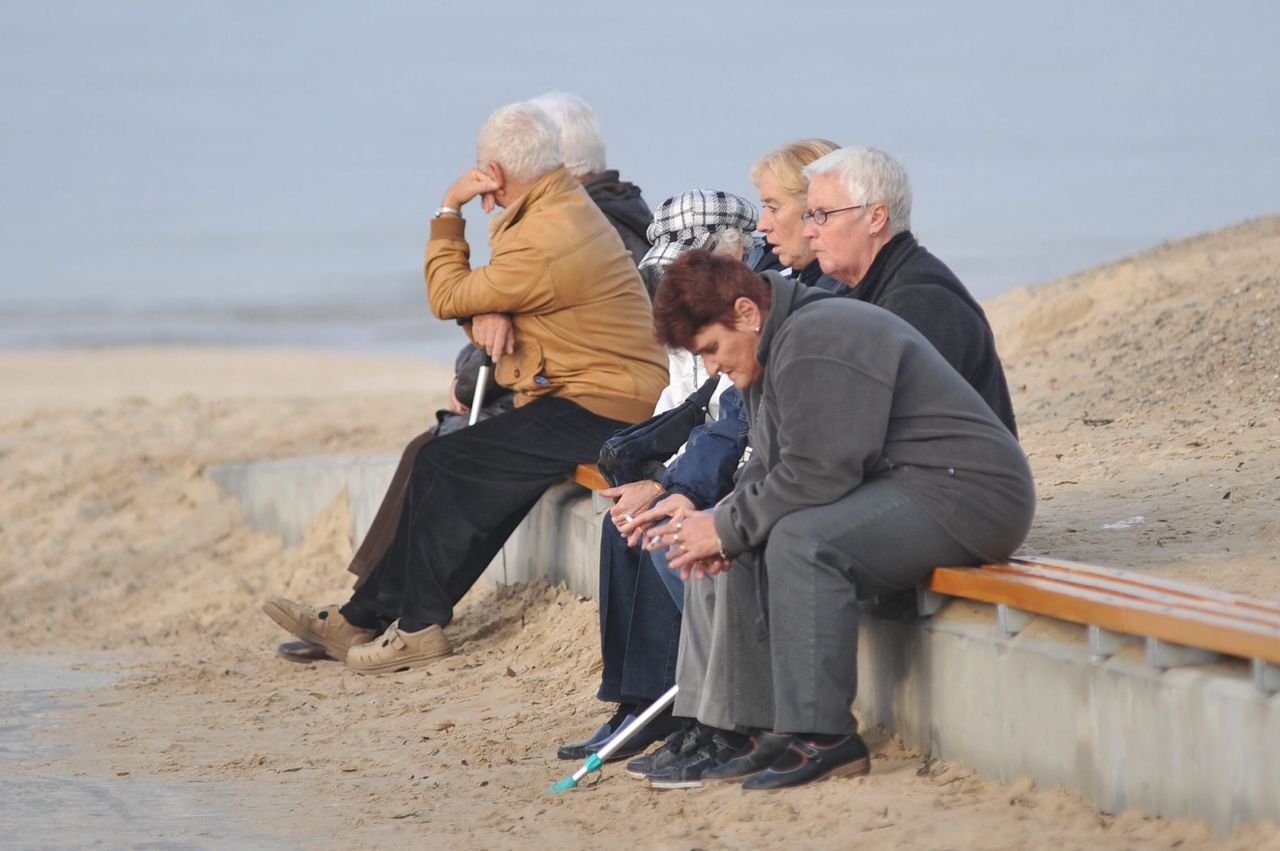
point(522, 139)
point(581, 144)
point(869, 176)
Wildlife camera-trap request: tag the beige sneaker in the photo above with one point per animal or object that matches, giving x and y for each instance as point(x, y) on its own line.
point(326, 627)
point(395, 651)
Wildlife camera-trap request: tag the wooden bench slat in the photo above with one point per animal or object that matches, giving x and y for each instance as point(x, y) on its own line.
point(1231, 636)
point(590, 477)
point(1158, 583)
point(1136, 591)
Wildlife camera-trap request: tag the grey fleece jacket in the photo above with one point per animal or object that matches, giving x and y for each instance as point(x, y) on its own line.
point(851, 393)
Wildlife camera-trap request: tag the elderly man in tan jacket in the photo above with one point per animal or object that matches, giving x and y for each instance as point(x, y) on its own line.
point(563, 310)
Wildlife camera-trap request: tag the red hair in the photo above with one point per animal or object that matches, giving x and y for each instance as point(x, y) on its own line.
point(700, 289)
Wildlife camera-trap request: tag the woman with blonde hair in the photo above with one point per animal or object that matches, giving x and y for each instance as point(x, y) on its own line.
point(778, 176)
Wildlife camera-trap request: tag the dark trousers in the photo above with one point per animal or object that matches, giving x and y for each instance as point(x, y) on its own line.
point(467, 491)
point(639, 623)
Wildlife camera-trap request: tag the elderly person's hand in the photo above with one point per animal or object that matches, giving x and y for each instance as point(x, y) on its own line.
point(630, 499)
point(493, 333)
point(635, 527)
point(455, 404)
point(473, 182)
point(693, 546)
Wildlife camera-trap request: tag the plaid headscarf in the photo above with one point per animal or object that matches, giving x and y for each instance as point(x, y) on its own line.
point(689, 219)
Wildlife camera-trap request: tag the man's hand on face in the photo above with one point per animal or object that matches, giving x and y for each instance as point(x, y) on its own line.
point(472, 183)
point(493, 333)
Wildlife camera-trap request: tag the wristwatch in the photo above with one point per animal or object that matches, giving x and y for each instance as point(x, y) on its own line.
point(447, 211)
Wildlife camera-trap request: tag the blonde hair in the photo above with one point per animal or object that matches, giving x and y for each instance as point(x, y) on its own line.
point(787, 163)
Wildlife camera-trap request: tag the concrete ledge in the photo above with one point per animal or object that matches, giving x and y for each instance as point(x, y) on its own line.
point(1197, 741)
point(560, 539)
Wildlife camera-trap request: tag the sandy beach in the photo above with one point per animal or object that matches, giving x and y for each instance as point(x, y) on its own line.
point(1147, 393)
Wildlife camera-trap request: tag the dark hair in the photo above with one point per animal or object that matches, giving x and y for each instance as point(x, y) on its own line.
point(699, 289)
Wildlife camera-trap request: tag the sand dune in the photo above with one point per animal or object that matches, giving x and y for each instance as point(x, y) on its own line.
point(1151, 388)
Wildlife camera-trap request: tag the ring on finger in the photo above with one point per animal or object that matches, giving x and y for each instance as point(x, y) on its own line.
point(675, 539)
point(683, 548)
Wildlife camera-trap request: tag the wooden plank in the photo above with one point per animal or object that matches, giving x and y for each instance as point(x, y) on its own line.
point(589, 476)
point(1119, 613)
point(1139, 591)
point(1156, 583)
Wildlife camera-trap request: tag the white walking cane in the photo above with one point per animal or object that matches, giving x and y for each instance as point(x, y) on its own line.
point(619, 739)
point(477, 399)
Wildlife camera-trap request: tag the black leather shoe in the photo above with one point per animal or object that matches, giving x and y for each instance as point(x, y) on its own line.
point(755, 756)
point(713, 747)
point(806, 761)
point(582, 750)
point(658, 728)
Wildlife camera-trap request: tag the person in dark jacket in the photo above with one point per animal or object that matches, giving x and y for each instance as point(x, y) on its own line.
point(726, 685)
point(859, 227)
point(873, 461)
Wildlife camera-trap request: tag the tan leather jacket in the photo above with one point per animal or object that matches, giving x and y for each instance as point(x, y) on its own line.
point(583, 323)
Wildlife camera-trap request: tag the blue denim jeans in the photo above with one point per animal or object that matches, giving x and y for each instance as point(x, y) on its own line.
point(639, 623)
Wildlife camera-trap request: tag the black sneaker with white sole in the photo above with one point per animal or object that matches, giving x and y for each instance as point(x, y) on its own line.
point(675, 746)
point(754, 757)
point(712, 747)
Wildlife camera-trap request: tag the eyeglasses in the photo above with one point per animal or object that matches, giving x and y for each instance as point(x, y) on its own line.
point(820, 216)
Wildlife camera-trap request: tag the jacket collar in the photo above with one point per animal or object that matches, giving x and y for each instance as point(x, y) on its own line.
point(607, 185)
point(787, 296)
point(891, 256)
point(554, 182)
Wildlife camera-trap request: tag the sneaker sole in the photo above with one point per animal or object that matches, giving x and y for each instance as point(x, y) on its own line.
point(289, 622)
point(737, 778)
point(857, 768)
point(398, 666)
point(675, 784)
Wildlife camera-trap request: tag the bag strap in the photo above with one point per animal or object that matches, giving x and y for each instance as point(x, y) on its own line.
point(702, 396)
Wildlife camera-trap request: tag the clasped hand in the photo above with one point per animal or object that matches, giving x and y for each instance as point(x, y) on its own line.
point(692, 543)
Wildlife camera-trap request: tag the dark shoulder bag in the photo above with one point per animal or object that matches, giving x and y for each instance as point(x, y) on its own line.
point(637, 452)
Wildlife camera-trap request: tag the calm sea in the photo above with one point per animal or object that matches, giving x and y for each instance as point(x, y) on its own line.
point(237, 173)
